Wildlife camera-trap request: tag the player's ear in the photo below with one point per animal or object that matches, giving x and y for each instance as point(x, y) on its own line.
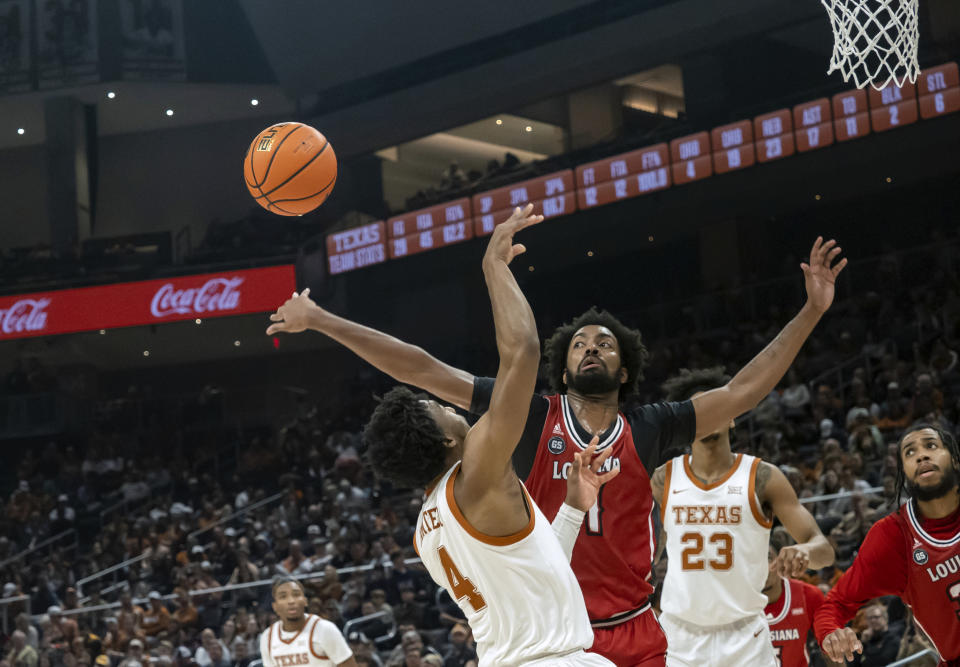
point(564, 376)
point(623, 375)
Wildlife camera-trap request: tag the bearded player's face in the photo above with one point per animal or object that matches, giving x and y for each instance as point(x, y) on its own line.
point(289, 602)
point(927, 465)
point(594, 364)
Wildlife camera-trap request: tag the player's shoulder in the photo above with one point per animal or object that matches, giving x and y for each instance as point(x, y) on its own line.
point(808, 590)
point(321, 625)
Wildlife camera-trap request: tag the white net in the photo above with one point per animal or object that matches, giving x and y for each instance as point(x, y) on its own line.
point(875, 41)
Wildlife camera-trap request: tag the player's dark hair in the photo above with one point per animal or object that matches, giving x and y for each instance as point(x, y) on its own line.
point(945, 437)
point(633, 353)
point(280, 580)
point(688, 382)
point(404, 443)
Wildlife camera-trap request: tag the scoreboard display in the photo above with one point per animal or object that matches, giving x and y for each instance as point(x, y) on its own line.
point(772, 136)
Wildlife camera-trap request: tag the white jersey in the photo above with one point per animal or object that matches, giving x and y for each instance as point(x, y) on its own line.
point(518, 592)
point(717, 542)
point(318, 644)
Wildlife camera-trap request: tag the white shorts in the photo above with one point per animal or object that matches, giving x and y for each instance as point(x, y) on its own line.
point(745, 642)
point(576, 659)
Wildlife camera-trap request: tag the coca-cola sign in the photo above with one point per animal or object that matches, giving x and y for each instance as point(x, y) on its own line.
point(147, 302)
point(25, 315)
point(217, 294)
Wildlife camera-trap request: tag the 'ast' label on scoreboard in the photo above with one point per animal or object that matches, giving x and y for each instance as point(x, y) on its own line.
point(428, 218)
point(813, 126)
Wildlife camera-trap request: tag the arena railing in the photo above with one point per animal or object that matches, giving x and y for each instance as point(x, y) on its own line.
point(913, 658)
point(136, 559)
point(354, 623)
point(49, 542)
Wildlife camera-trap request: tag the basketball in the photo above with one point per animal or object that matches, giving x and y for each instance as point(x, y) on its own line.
point(290, 168)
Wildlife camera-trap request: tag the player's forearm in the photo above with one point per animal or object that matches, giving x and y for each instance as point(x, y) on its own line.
point(833, 614)
point(820, 551)
point(566, 526)
point(402, 361)
point(512, 317)
point(764, 371)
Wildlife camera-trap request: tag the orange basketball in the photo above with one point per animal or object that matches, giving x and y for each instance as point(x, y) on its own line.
point(290, 168)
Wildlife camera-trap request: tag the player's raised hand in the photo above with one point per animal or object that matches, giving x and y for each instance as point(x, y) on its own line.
point(294, 315)
point(585, 478)
point(840, 644)
point(792, 561)
point(501, 246)
point(820, 275)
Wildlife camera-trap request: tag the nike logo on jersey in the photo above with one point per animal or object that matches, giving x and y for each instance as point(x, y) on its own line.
point(680, 490)
point(757, 633)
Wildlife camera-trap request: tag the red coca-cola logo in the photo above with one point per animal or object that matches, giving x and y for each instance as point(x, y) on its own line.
point(217, 294)
point(24, 315)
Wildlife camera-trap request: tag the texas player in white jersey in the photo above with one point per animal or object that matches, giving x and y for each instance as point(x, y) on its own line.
point(299, 638)
point(717, 509)
point(480, 534)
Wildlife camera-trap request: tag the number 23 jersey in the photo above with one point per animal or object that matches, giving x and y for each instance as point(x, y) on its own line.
point(517, 591)
point(717, 537)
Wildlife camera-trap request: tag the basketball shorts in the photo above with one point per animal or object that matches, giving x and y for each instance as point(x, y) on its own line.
point(745, 642)
point(637, 642)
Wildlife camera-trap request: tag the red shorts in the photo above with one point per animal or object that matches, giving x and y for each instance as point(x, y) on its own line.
point(638, 642)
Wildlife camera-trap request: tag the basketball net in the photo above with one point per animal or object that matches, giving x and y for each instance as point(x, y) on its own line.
point(875, 41)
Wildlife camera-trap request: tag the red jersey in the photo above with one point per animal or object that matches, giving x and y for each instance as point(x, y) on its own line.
point(791, 619)
point(914, 558)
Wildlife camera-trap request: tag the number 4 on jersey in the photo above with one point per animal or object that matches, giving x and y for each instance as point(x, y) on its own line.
point(460, 586)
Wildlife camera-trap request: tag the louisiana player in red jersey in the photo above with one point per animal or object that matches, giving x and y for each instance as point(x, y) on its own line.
point(790, 609)
point(913, 553)
point(592, 364)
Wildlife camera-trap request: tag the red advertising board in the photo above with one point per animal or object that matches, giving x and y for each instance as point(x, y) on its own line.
point(147, 302)
point(429, 218)
point(430, 239)
point(520, 194)
point(623, 165)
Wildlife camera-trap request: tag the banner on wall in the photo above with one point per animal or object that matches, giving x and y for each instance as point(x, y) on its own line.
point(147, 302)
point(14, 46)
point(152, 35)
point(67, 42)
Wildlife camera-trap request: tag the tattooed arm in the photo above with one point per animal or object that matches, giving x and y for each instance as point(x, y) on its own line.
point(778, 498)
point(657, 488)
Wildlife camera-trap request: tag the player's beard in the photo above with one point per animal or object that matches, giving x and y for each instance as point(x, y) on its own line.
point(592, 383)
point(926, 493)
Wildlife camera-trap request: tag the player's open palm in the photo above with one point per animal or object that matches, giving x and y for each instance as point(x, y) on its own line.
point(294, 315)
point(586, 478)
point(501, 246)
point(820, 275)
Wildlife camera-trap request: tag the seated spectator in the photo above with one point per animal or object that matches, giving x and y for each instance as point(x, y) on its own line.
point(156, 619)
point(796, 397)
point(460, 652)
point(212, 652)
point(880, 646)
point(64, 628)
point(292, 563)
point(21, 654)
point(408, 610)
point(23, 625)
point(185, 614)
point(250, 636)
point(135, 656)
point(78, 650)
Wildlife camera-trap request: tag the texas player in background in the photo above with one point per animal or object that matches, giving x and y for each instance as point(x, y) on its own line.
point(790, 609)
point(592, 364)
point(913, 553)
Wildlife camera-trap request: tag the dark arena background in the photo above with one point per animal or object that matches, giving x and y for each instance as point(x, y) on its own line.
point(685, 153)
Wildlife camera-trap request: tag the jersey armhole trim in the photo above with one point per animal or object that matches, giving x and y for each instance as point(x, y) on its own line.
point(316, 622)
point(270, 641)
point(754, 501)
point(665, 493)
point(492, 540)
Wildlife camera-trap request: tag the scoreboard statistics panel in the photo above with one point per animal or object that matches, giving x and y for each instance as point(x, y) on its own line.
point(356, 248)
point(551, 195)
point(771, 136)
point(893, 106)
point(623, 176)
point(813, 125)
